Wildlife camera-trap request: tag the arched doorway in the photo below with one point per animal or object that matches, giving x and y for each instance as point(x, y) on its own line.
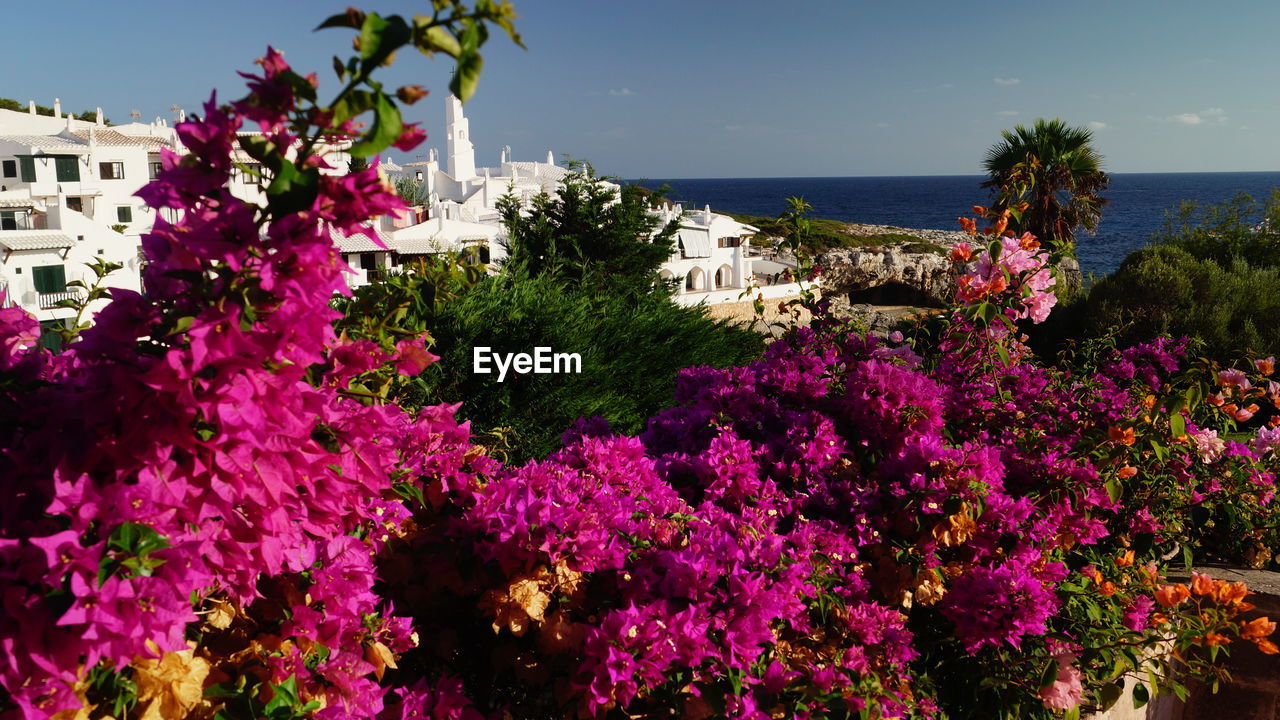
point(695, 280)
point(724, 277)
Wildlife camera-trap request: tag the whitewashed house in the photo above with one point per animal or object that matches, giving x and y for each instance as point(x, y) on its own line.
point(711, 260)
point(66, 197)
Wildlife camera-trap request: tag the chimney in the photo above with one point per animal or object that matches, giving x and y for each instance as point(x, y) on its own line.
point(31, 107)
point(57, 108)
point(99, 119)
point(551, 159)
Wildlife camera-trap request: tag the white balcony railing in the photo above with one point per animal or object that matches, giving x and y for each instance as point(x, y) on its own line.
point(48, 301)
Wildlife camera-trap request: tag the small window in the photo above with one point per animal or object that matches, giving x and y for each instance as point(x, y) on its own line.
point(252, 174)
point(10, 168)
point(28, 167)
point(124, 214)
point(15, 220)
point(111, 170)
point(67, 168)
point(156, 167)
point(75, 203)
point(49, 278)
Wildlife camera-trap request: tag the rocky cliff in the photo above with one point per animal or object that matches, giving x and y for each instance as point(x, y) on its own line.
point(882, 283)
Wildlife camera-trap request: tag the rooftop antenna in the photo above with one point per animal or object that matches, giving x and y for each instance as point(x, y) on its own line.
point(135, 114)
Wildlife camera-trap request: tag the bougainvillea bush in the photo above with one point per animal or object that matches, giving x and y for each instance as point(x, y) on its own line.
point(211, 510)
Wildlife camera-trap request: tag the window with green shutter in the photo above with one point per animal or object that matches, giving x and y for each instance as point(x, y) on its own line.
point(27, 169)
point(68, 169)
point(124, 214)
point(49, 278)
point(50, 338)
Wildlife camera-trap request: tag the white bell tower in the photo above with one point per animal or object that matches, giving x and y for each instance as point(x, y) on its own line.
point(461, 154)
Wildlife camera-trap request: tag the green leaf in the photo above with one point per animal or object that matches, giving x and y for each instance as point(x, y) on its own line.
point(1114, 488)
point(292, 190)
point(387, 126)
point(352, 18)
point(128, 548)
point(380, 37)
point(1194, 395)
point(261, 149)
point(1186, 557)
point(1049, 674)
point(285, 694)
point(467, 76)
point(437, 39)
point(1003, 353)
point(1141, 696)
point(351, 105)
point(1177, 425)
point(1109, 694)
point(183, 324)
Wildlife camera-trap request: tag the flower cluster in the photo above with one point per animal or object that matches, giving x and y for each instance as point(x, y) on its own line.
point(190, 473)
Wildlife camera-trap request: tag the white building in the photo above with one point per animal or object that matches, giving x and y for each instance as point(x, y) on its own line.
point(710, 262)
point(66, 197)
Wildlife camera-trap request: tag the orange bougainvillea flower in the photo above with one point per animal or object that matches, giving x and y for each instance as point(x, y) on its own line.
point(1212, 639)
point(1230, 593)
point(962, 252)
point(1124, 437)
point(1257, 628)
point(1202, 584)
point(979, 210)
point(1266, 365)
point(1159, 619)
point(1245, 414)
point(1266, 647)
point(1028, 241)
point(1127, 471)
point(1125, 559)
point(1170, 595)
point(1107, 588)
point(969, 225)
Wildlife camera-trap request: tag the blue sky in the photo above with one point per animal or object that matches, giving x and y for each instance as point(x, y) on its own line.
point(731, 88)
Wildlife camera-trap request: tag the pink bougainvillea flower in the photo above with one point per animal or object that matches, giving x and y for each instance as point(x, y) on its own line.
point(1067, 690)
point(412, 356)
point(412, 137)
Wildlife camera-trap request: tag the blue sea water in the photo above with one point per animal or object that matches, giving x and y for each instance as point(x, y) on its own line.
point(1137, 207)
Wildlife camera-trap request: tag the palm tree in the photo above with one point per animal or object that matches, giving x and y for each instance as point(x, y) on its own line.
point(1054, 169)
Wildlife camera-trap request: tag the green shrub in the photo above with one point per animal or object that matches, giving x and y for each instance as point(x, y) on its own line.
point(1164, 289)
point(631, 348)
point(1239, 228)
